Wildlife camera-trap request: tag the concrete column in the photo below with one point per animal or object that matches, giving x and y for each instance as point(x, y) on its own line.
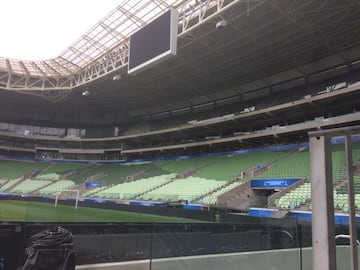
point(323, 232)
point(351, 192)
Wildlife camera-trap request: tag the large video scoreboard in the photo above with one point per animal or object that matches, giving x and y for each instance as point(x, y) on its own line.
point(154, 43)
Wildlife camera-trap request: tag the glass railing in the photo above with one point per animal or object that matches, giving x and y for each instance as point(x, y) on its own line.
point(173, 246)
point(118, 236)
point(225, 246)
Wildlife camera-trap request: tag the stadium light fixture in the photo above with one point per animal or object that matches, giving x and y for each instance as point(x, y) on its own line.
point(85, 93)
point(221, 23)
point(117, 77)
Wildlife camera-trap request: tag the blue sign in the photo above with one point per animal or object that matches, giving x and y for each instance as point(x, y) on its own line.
point(273, 183)
point(306, 216)
point(146, 203)
point(92, 184)
point(192, 206)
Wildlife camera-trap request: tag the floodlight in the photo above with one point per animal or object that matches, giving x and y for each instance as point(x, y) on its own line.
point(117, 77)
point(221, 23)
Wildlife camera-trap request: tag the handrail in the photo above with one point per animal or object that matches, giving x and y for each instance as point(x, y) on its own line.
point(346, 236)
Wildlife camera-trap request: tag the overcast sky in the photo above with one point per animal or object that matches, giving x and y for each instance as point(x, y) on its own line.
point(43, 29)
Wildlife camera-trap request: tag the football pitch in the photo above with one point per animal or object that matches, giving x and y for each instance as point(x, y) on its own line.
point(46, 212)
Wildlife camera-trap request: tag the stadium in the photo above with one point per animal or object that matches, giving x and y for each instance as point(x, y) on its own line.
point(190, 134)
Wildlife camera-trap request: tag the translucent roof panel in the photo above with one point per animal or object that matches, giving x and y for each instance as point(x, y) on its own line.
point(113, 29)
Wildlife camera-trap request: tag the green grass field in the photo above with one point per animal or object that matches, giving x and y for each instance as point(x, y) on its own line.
point(38, 212)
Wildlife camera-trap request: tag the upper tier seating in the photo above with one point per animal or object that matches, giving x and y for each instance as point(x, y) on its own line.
point(186, 165)
point(138, 128)
point(62, 169)
point(14, 169)
point(229, 167)
point(302, 195)
point(295, 165)
point(117, 173)
point(48, 176)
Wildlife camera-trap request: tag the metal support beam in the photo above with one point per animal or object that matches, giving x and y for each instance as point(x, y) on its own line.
point(86, 64)
point(324, 252)
point(323, 231)
point(351, 196)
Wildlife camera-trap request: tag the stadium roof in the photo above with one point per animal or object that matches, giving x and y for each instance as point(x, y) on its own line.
point(112, 30)
point(265, 43)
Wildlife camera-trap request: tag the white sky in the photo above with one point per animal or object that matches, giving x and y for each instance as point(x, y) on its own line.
point(43, 29)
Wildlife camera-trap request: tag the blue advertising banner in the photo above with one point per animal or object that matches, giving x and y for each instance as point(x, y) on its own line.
point(192, 206)
point(146, 203)
point(306, 216)
point(273, 183)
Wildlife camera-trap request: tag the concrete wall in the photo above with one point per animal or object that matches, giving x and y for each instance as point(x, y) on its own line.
point(243, 197)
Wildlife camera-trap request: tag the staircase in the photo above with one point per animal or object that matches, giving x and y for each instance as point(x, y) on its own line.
point(22, 179)
point(156, 187)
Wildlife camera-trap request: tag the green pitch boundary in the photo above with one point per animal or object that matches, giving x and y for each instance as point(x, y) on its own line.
point(11, 210)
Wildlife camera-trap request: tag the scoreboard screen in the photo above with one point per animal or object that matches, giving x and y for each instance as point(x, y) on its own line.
point(154, 42)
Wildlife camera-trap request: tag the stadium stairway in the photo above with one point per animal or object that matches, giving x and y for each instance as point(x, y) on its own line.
point(181, 175)
point(171, 179)
point(141, 174)
point(89, 173)
point(22, 179)
point(340, 184)
point(225, 188)
point(89, 193)
point(193, 171)
point(9, 184)
point(38, 189)
point(277, 198)
point(299, 196)
point(130, 190)
point(213, 191)
point(3, 182)
point(81, 188)
point(233, 196)
point(56, 186)
point(284, 167)
point(68, 175)
point(33, 176)
point(135, 176)
point(95, 177)
point(186, 173)
point(242, 197)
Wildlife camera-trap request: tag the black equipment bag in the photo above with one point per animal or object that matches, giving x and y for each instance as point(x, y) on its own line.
point(51, 249)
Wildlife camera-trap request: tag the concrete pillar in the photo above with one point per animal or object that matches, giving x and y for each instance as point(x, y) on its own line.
point(323, 232)
point(351, 192)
